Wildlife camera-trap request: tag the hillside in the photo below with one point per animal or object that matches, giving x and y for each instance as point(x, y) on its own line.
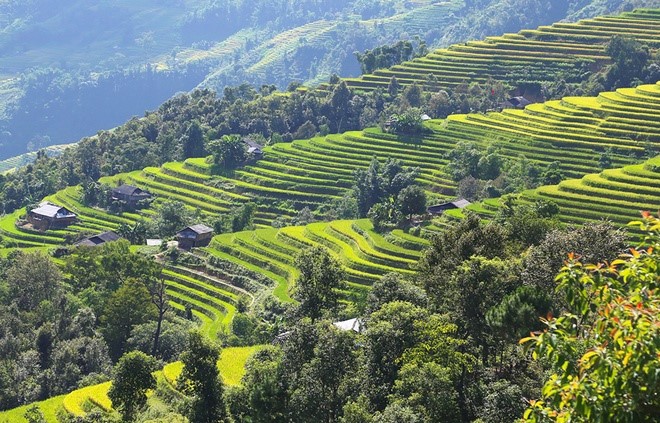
point(128, 57)
point(533, 56)
point(313, 172)
point(617, 195)
point(573, 132)
point(95, 398)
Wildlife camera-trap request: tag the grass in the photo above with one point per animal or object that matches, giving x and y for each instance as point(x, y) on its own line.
point(77, 403)
point(49, 408)
point(231, 365)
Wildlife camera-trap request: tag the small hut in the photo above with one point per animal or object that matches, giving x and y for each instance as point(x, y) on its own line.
point(99, 239)
point(254, 150)
point(519, 102)
point(194, 236)
point(50, 216)
point(441, 208)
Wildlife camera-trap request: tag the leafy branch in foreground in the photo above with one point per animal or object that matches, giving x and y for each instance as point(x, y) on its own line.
point(603, 350)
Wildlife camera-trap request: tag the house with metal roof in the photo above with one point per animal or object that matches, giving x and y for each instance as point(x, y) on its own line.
point(50, 216)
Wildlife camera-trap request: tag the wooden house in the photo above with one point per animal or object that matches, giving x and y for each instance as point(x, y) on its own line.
point(194, 236)
point(50, 216)
point(129, 195)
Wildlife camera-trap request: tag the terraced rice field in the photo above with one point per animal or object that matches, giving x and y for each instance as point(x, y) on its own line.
point(572, 131)
point(311, 172)
point(364, 254)
point(618, 195)
point(79, 402)
point(529, 56)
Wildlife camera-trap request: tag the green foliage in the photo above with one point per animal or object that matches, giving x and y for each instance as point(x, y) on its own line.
point(239, 219)
point(316, 287)
point(133, 377)
point(201, 381)
point(603, 349)
point(171, 217)
point(228, 152)
point(410, 121)
point(629, 57)
point(410, 201)
point(390, 55)
point(263, 392)
point(31, 279)
point(126, 308)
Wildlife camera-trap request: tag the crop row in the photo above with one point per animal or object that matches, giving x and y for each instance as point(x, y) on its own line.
point(557, 47)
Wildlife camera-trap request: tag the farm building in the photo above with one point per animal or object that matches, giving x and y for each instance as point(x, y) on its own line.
point(355, 325)
point(441, 208)
point(50, 216)
point(129, 195)
point(194, 236)
point(254, 150)
point(519, 102)
point(99, 239)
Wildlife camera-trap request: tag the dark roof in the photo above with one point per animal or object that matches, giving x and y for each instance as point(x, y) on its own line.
point(439, 208)
point(198, 229)
point(129, 190)
point(52, 210)
point(519, 101)
point(99, 239)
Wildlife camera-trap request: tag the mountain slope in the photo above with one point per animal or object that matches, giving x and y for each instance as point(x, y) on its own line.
point(59, 84)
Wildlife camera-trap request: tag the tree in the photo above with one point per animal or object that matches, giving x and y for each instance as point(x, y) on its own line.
point(127, 307)
point(229, 151)
point(192, 140)
point(593, 242)
point(133, 377)
point(411, 200)
point(394, 329)
point(367, 187)
point(393, 287)
point(316, 287)
point(409, 122)
point(629, 57)
point(316, 394)
point(32, 278)
point(159, 298)
point(201, 381)
point(136, 234)
point(451, 247)
point(429, 390)
point(172, 216)
point(603, 350)
point(265, 390)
